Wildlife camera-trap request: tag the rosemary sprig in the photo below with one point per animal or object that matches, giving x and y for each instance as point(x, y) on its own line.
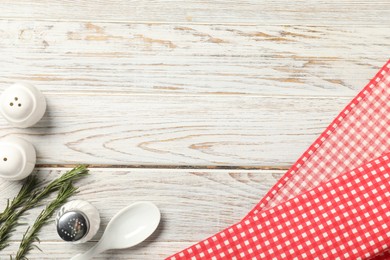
point(33, 200)
point(24, 194)
point(31, 234)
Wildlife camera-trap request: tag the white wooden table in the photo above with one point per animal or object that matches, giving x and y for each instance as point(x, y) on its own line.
point(197, 106)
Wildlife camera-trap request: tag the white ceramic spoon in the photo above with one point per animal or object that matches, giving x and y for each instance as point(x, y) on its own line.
point(127, 228)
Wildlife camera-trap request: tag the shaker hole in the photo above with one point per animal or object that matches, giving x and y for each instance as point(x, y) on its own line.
point(16, 98)
point(5, 159)
point(19, 105)
point(11, 104)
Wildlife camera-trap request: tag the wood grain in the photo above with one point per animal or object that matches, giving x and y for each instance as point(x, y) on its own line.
point(166, 59)
point(276, 12)
point(57, 250)
point(177, 130)
point(194, 203)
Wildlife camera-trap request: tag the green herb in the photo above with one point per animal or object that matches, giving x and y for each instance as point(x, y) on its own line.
point(31, 234)
point(8, 218)
point(31, 198)
point(24, 194)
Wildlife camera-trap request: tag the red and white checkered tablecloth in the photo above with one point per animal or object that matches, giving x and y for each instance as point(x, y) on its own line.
point(333, 203)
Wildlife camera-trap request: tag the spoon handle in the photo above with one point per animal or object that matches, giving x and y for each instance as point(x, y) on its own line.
point(96, 249)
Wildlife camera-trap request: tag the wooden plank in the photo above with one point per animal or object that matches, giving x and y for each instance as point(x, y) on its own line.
point(168, 59)
point(194, 204)
point(177, 130)
point(345, 12)
point(58, 250)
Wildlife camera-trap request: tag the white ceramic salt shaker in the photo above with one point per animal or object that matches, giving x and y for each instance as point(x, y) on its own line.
point(22, 105)
point(77, 221)
point(17, 158)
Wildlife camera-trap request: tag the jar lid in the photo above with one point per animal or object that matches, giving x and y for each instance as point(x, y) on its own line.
point(72, 226)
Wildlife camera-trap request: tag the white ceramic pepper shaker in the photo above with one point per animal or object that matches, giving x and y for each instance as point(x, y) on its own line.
point(77, 221)
point(17, 158)
point(22, 105)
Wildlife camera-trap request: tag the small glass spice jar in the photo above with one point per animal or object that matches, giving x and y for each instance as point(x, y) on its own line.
point(77, 221)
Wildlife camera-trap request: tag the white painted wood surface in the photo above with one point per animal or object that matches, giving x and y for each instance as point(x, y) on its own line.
point(186, 59)
point(177, 130)
point(276, 12)
point(155, 95)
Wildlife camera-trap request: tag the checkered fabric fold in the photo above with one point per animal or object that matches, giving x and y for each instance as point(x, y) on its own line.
point(333, 203)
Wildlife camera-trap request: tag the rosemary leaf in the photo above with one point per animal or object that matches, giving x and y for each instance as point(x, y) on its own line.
point(24, 194)
point(8, 218)
point(31, 235)
point(31, 198)
point(55, 185)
